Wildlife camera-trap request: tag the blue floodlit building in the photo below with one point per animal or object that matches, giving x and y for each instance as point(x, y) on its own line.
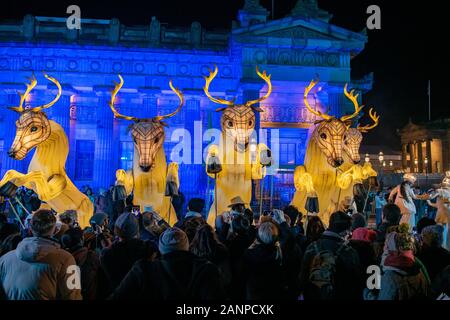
point(294, 49)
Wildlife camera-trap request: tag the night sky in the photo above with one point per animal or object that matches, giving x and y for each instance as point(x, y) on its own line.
point(412, 46)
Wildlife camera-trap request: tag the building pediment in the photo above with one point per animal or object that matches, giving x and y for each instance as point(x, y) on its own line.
point(299, 28)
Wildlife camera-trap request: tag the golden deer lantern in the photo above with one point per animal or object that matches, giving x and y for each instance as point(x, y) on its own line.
point(147, 179)
point(46, 172)
point(331, 166)
point(233, 152)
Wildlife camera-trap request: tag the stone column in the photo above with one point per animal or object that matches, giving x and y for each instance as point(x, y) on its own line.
point(404, 153)
point(428, 155)
point(411, 157)
point(10, 117)
point(104, 162)
point(420, 157)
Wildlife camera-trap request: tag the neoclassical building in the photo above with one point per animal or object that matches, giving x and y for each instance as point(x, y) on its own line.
point(293, 49)
point(426, 147)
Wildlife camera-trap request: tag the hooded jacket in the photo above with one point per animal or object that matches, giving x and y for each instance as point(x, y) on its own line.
point(39, 270)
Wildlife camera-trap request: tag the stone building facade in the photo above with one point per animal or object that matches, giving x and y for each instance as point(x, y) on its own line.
point(294, 49)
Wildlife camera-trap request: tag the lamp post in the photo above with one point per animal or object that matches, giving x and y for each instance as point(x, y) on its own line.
point(425, 161)
point(416, 164)
point(367, 158)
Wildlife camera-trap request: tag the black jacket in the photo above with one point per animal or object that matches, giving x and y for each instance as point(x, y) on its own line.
point(177, 275)
point(120, 257)
point(348, 268)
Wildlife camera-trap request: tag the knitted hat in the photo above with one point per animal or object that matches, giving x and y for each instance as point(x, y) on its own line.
point(128, 225)
point(364, 234)
point(173, 239)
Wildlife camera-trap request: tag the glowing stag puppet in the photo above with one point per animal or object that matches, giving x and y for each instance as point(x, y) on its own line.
point(147, 179)
point(233, 152)
point(46, 172)
point(331, 163)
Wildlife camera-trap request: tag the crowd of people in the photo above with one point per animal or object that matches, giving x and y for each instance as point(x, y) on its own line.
point(280, 255)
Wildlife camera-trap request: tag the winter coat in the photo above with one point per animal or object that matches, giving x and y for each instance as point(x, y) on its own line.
point(177, 275)
point(120, 257)
point(39, 270)
point(265, 274)
point(348, 268)
point(399, 284)
point(93, 279)
point(435, 259)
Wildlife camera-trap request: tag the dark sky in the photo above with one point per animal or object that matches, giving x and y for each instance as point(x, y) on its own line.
point(411, 47)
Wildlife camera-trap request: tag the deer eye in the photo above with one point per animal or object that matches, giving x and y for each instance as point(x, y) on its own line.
point(230, 124)
point(156, 140)
point(34, 129)
point(250, 123)
point(323, 136)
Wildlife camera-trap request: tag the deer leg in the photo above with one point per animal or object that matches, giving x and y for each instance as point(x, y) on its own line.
point(44, 189)
point(11, 175)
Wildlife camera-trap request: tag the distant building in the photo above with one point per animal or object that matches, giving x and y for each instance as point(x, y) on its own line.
point(294, 49)
point(426, 147)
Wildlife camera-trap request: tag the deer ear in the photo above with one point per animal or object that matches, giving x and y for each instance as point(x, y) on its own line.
point(220, 109)
point(257, 109)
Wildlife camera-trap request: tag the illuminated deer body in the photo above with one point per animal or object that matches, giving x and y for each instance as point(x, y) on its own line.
point(46, 172)
point(233, 152)
point(331, 163)
point(147, 179)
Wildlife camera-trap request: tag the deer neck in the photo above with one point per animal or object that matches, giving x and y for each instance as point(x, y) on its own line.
point(51, 155)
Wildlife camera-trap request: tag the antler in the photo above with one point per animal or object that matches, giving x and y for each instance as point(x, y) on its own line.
point(354, 99)
point(305, 100)
point(117, 87)
point(48, 105)
point(373, 115)
point(180, 96)
point(209, 79)
point(30, 86)
point(266, 78)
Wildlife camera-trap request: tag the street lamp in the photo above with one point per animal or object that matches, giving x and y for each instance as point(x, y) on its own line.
point(384, 163)
point(391, 164)
point(425, 161)
point(367, 158)
point(416, 163)
point(381, 158)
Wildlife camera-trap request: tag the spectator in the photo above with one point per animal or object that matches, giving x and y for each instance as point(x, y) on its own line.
point(403, 277)
point(27, 272)
point(178, 275)
point(10, 243)
point(264, 257)
point(69, 217)
point(432, 254)
point(87, 260)
point(151, 228)
point(207, 246)
point(358, 221)
point(314, 230)
point(331, 269)
point(124, 251)
point(380, 202)
point(195, 208)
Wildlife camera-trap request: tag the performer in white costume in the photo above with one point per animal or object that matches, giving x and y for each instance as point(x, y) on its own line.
point(443, 208)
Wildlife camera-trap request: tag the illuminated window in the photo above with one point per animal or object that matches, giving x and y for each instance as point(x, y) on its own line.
point(287, 153)
point(84, 167)
point(126, 155)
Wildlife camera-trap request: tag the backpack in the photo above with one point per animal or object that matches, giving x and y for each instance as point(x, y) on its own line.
point(322, 272)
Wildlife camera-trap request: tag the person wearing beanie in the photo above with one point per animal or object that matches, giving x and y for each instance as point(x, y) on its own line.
point(118, 259)
point(177, 275)
point(347, 272)
point(432, 254)
point(29, 272)
point(358, 221)
point(195, 208)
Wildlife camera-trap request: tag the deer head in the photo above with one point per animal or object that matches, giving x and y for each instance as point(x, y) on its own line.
point(33, 126)
point(238, 120)
point(353, 138)
point(147, 133)
point(332, 135)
